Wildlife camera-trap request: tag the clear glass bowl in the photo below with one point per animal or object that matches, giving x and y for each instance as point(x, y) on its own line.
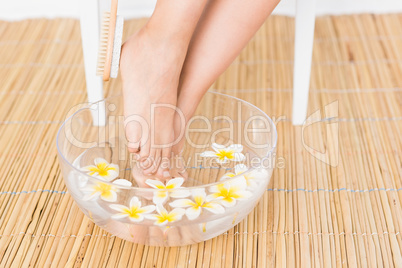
point(212, 199)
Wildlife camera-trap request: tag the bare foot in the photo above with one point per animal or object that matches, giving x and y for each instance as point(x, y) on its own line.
point(150, 68)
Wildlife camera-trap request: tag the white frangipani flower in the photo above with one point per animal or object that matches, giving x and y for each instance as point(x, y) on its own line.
point(105, 191)
point(230, 191)
point(102, 169)
point(225, 154)
point(241, 169)
point(134, 212)
point(172, 188)
point(164, 217)
point(200, 201)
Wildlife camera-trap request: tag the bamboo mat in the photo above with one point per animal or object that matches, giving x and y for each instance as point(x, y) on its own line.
point(312, 214)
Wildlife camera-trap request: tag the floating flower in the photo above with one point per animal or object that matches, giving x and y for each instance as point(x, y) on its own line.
point(172, 188)
point(229, 192)
point(242, 169)
point(102, 169)
point(164, 217)
point(135, 212)
point(105, 191)
point(201, 201)
point(122, 182)
point(225, 154)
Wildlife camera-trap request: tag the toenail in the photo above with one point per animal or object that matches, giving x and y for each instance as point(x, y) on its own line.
point(166, 174)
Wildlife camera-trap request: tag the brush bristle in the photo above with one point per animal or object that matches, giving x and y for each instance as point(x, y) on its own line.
point(103, 43)
point(118, 38)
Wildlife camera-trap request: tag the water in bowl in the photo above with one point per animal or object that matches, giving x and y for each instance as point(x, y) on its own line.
point(185, 231)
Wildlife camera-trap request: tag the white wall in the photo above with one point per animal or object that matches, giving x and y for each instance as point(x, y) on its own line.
point(20, 9)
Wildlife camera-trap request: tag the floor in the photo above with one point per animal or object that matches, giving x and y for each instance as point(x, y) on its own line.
point(338, 210)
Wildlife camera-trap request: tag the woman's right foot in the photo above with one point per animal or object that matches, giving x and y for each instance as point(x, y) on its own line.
point(150, 68)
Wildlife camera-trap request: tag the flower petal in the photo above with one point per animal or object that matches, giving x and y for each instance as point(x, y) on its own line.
point(137, 218)
point(118, 207)
point(238, 183)
point(215, 188)
point(180, 193)
point(208, 154)
point(237, 148)
point(160, 197)
point(211, 197)
point(260, 174)
point(111, 196)
point(135, 202)
point(123, 182)
point(198, 192)
point(160, 209)
point(100, 160)
point(176, 182)
point(119, 216)
point(177, 213)
point(155, 184)
point(244, 195)
point(228, 202)
point(227, 176)
point(111, 175)
point(88, 168)
point(214, 207)
point(148, 209)
point(157, 222)
point(223, 161)
point(193, 213)
point(217, 147)
point(153, 217)
point(182, 203)
point(113, 167)
point(240, 168)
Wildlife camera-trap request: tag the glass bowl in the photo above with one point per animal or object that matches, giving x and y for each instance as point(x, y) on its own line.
point(228, 156)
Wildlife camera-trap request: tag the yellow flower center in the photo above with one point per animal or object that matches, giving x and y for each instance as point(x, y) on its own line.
point(222, 154)
point(103, 188)
point(171, 186)
point(102, 169)
point(199, 202)
point(161, 194)
point(227, 194)
point(166, 217)
point(134, 212)
point(246, 177)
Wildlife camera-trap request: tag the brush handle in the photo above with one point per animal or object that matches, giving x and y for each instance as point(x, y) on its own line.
point(110, 40)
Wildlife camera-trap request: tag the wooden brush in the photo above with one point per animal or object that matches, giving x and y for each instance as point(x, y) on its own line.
point(110, 43)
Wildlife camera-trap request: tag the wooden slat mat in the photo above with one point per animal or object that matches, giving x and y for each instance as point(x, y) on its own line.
point(313, 214)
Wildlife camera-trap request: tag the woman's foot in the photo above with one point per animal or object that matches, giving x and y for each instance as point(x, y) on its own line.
point(150, 68)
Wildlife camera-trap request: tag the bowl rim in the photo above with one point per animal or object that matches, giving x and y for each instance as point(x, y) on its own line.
point(153, 189)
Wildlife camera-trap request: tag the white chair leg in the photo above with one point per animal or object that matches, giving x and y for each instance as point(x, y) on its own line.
point(90, 31)
point(304, 39)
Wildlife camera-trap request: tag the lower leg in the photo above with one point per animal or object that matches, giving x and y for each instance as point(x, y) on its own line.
point(151, 62)
point(224, 29)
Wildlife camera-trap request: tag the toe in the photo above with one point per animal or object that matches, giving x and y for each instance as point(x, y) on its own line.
point(133, 137)
point(164, 167)
point(153, 161)
point(145, 149)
